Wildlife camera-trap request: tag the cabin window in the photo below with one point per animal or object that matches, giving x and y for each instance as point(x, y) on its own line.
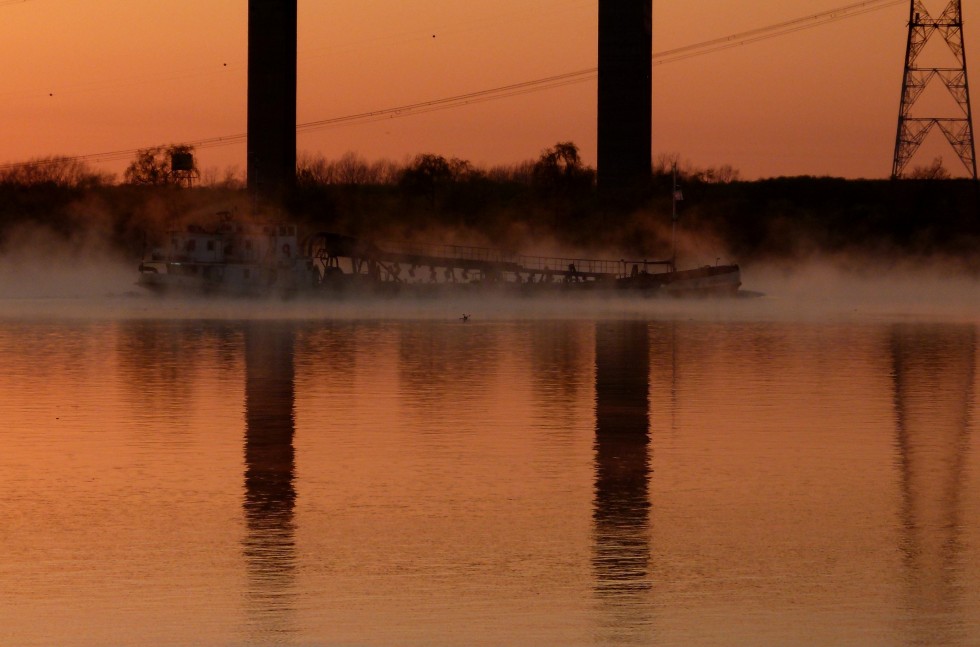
point(190, 245)
point(210, 245)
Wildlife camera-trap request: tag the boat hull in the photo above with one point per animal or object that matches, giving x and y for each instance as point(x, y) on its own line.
point(715, 280)
point(236, 280)
point(711, 281)
point(265, 260)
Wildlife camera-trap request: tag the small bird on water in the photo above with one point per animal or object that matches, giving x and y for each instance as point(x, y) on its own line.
point(464, 318)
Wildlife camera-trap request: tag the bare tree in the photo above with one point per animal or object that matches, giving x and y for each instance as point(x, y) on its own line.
point(350, 169)
point(560, 169)
point(59, 170)
point(933, 171)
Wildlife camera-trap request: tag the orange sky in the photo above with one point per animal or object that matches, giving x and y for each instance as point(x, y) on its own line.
point(107, 75)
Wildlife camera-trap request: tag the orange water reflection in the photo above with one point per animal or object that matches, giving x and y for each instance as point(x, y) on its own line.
point(531, 482)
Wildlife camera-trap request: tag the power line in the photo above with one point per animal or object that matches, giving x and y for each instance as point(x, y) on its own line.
point(525, 87)
point(773, 31)
point(569, 78)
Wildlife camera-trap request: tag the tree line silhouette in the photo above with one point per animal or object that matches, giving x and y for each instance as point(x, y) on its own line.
point(552, 198)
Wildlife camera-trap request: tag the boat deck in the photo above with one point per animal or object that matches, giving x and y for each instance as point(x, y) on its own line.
point(491, 263)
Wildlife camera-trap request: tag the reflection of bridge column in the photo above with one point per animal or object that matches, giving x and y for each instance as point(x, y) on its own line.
point(622, 504)
point(269, 468)
point(933, 369)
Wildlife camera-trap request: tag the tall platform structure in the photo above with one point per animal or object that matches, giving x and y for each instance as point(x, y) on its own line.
point(271, 145)
point(625, 92)
point(958, 129)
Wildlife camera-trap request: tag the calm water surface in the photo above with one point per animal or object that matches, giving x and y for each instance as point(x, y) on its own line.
point(173, 479)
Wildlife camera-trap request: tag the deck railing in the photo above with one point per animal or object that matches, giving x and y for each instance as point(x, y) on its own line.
point(466, 255)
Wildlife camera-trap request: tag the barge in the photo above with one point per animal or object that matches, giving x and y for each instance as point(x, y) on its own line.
point(259, 259)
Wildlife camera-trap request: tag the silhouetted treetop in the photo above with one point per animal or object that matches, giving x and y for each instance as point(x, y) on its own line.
point(559, 169)
point(65, 172)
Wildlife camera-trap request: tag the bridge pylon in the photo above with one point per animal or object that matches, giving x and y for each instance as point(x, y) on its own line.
point(958, 127)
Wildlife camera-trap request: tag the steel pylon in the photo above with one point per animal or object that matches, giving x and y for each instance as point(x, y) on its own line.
point(958, 129)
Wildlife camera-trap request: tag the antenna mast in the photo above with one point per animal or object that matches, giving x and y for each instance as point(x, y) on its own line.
point(958, 129)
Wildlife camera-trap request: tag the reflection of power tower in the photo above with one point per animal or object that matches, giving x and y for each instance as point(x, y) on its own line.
point(913, 130)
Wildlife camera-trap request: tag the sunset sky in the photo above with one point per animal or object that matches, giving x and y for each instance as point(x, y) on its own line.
point(100, 76)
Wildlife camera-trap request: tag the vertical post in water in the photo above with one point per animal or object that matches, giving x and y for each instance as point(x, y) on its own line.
point(271, 154)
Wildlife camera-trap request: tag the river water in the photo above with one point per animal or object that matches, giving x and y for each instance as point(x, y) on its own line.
point(729, 473)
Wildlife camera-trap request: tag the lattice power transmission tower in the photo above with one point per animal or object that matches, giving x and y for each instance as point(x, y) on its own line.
point(958, 129)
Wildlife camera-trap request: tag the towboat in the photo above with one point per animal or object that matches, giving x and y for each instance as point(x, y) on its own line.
point(232, 258)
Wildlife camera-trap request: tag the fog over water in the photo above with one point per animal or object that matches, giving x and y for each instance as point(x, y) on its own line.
point(72, 284)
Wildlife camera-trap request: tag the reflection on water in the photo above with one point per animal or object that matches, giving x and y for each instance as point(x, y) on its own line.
point(445, 362)
point(621, 512)
point(523, 482)
point(933, 369)
point(270, 494)
point(158, 361)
